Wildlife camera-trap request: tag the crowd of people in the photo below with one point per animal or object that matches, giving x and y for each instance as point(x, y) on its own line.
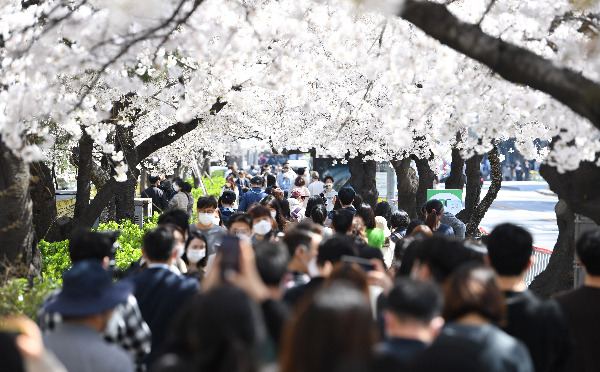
point(265, 282)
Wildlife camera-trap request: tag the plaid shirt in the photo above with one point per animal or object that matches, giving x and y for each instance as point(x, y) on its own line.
point(125, 328)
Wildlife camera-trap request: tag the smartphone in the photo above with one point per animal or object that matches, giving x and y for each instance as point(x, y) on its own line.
point(230, 256)
point(364, 263)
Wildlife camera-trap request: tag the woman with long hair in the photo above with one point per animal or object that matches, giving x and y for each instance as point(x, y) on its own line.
point(433, 211)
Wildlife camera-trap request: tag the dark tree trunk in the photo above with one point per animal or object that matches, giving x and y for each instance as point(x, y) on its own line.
point(473, 194)
point(579, 188)
point(125, 193)
point(426, 180)
point(124, 203)
point(41, 189)
point(456, 179)
point(407, 182)
point(362, 178)
point(558, 275)
point(19, 253)
point(472, 228)
point(84, 174)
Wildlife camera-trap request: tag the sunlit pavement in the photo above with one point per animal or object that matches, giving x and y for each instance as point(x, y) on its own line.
point(528, 204)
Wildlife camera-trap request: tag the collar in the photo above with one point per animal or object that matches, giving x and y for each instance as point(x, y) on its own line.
point(158, 265)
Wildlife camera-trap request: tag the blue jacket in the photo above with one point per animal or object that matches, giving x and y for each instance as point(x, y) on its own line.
point(160, 293)
point(252, 196)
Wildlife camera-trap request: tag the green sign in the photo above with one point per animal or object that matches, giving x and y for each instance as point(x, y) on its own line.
point(452, 199)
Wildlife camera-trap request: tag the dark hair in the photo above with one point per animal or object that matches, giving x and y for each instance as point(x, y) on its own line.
point(299, 181)
point(295, 237)
point(191, 236)
point(412, 224)
point(159, 243)
point(358, 201)
point(256, 211)
point(240, 217)
point(473, 288)
point(399, 219)
point(271, 180)
point(85, 244)
point(284, 204)
point(346, 195)
point(384, 210)
point(334, 326)
point(271, 201)
point(366, 213)
point(319, 214)
point(312, 201)
point(185, 186)
point(370, 252)
point(328, 177)
point(334, 248)
point(207, 201)
point(228, 197)
point(509, 249)
point(341, 220)
point(217, 331)
point(588, 250)
point(257, 180)
point(415, 300)
point(271, 261)
point(153, 179)
point(433, 205)
point(175, 217)
point(443, 254)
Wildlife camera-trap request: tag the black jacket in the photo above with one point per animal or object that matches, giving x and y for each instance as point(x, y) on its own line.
point(159, 198)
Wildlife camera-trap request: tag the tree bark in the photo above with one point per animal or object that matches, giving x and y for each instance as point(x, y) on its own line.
point(125, 193)
point(473, 191)
point(472, 228)
point(41, 189)
point(513, 63)
point(19, 253)
point(407, 181)
point(558, 276)
point(579, 188)
point(456, 179)
point(84, 174)
point(362, 178)
point(426, 180)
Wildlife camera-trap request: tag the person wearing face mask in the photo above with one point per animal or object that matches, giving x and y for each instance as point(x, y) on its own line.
point(285, 177)
point(303, 246)
point(195, 256)
point(230, 185)
point(86, 303)
point(240, 225)
point(207, 224)
point(329, 193)
point(262, 223)
point(271, 202)
point(180, 198)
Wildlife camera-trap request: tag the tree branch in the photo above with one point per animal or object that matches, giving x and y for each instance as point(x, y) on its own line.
point(513, 63)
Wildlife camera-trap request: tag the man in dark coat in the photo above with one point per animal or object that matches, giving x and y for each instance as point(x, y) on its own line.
point(159, 198)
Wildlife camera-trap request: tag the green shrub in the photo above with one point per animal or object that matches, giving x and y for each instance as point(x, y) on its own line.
point(55, 259)
point(19, 298)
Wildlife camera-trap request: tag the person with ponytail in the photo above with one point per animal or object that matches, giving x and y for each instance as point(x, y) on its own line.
point(433, 211)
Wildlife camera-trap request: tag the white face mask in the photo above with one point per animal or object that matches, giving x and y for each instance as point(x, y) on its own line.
point(273, 214)
point(195, 255)
point(175, 187)
point(180, 250)
point(216, 220)
point(262, 228)
point(313, 269)
point(206, 218)
point(328, 185)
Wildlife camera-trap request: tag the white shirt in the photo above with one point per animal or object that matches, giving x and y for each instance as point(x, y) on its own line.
point(315, 188)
